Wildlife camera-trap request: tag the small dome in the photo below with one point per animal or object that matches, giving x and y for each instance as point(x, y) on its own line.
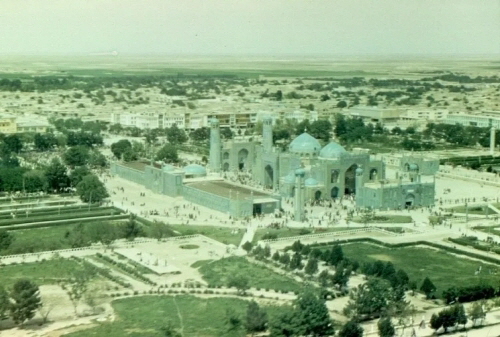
point(332, 150)
point(195, 170)
point(289, 179)
point(413, 167)
point(305, 144)
point(300, 172)
point(167, 168)
point(359, 171)
point(311, 182)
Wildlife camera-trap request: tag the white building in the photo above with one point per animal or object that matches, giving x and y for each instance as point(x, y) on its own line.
point(473, 120)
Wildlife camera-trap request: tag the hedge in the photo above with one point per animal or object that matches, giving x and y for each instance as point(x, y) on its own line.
point(409, 244)
point(74, 215)
point(126, 268)
point(149, 223)
point(47, 211)
point(63, 222)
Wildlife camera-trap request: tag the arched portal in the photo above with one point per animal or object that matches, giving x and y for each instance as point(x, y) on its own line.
point(407, 167)
point(409, 200)
point(317, 195)
point(242, 159)
point(350, 180)
point(225, 155)
point(269, 177)
point(225, 167)
point(373, 174)
point(334, 192)
point(334, 176)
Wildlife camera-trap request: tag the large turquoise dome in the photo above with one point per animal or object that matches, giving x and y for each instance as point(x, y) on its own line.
point(305, 144)
point(195, 170)
point(332, 150)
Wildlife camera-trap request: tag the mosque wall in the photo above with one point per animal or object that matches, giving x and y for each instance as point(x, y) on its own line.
point(206, 199)
point(396, 196)
point(172, 184)
point(128, 173)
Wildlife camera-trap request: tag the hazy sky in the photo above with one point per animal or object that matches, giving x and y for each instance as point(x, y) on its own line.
point(250, 27)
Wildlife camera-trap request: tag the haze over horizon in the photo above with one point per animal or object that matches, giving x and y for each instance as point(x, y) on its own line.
point(251, 27)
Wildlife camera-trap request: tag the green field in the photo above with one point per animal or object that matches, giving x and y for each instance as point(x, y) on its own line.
point(144, 316)
point(222, 234)
point(219, 273)
point(289, 232)
point(43, 272)
point(475, 209)
point(444, 269)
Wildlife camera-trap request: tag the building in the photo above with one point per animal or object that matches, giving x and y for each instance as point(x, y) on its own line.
point(375, 114)
point(329, 171)
point(482, 120)
point(10, 124)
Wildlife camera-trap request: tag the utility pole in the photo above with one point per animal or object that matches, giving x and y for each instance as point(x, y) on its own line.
point(90, 201)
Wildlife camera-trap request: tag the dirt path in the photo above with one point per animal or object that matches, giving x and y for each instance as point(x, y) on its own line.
point(180, 317)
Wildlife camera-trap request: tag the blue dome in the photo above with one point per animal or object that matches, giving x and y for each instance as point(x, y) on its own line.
point(167, 168)
point(305, 144)
point(413, 167)
point(195, 169)
point(332, 150)
point(290, 178)
point(311, 182)
point(300, 172)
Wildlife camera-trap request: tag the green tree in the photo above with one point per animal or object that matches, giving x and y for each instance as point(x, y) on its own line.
point(118, 148)
point(6, 239)
point(44, 142)
point(370, 299)
point(427, 287)
point(77, 286)
point(78, 174)
point(285, 323)
point(256, 318)
point(276, 256)
point(321, 129)
point(4, 303)
point(341, 104)
point(297, 246)
point(240, 282)
point(296, 262)
point(247, 246)
point(175, 135)
point(77, 156)
point(336, 255)
point(477, 311)
point(13, 143)
point(351, 329)
point(34, 181)
point(385, 327)
point(234, 322)
point(129, 155)
point(91, 189)
point(324, 278)
point(311, 266)
point(285, 259)
point(57, 178)
point(168, 154)
point(313, 318)
point(226, 133)
point(25, 300)
point(132, 229)
point(200, 135)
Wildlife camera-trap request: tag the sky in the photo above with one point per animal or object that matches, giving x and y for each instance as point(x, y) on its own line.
point(250, 27)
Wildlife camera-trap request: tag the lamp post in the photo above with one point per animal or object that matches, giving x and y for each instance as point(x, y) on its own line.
point(90, 200)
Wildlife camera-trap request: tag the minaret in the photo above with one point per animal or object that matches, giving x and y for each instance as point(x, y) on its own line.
point(215, 146)
point(267, 134)
point(299, 195)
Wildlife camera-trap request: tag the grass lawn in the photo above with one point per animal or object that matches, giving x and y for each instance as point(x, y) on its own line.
point(44, 272)
point(479, 210)
point(288, 232)
point(389, 218)
point(444, 269)
point(219, 273)
point(222, 234)
point(200, 317)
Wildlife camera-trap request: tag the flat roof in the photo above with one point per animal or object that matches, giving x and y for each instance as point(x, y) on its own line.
point(224, 189)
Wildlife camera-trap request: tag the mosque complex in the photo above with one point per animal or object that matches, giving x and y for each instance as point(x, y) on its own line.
point(307, 172)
